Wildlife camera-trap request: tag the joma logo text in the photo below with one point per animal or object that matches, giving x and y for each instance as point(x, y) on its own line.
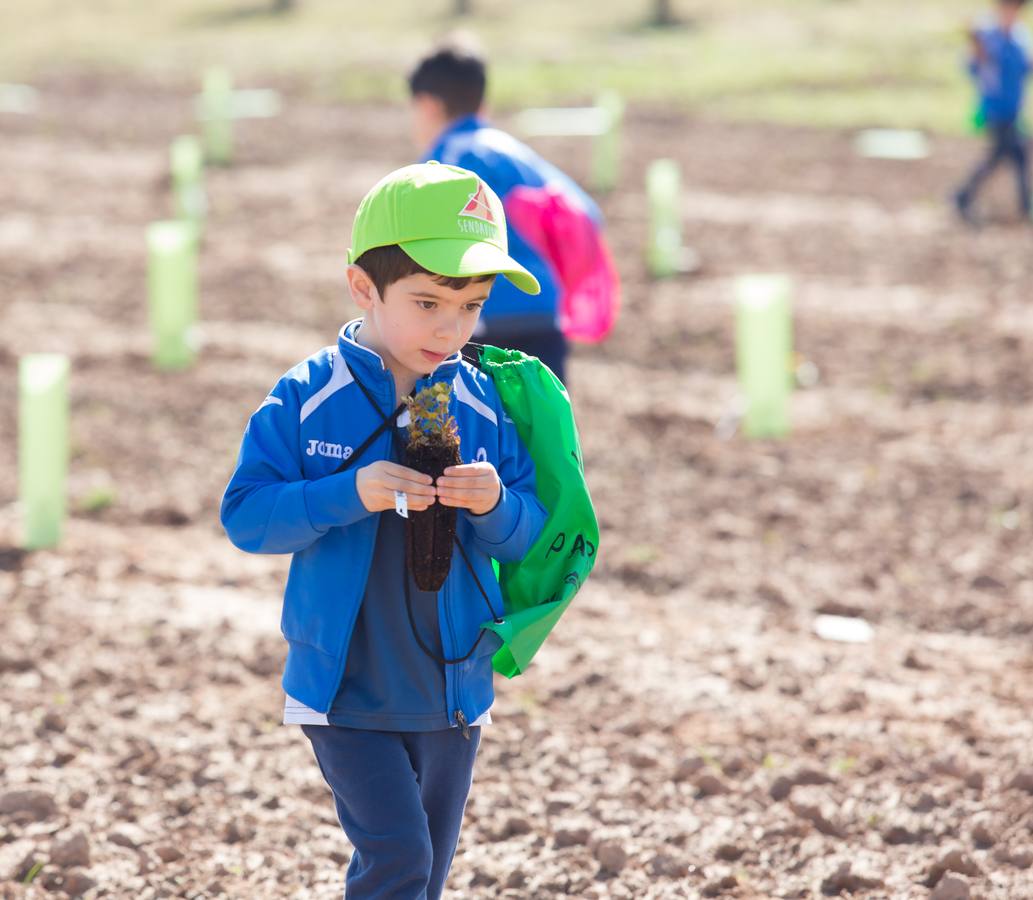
point(323, 448)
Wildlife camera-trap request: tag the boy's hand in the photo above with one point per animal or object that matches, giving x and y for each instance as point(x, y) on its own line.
point(377, 483)
point(473, 486)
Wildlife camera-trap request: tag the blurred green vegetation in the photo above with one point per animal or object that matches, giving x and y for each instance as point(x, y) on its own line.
point(817, 62)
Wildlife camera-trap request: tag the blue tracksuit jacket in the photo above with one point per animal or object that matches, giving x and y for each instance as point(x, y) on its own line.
point(1001, 78)
point(283, 499)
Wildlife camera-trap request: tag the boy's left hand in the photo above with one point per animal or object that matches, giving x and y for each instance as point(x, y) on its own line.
point(472, 486)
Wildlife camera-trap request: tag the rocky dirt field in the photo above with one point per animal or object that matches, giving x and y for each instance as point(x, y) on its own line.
point(685, 733)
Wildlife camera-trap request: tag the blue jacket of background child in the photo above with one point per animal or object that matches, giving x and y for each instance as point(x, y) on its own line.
point(283, 498)
point(505, 163)
point(1001, 78)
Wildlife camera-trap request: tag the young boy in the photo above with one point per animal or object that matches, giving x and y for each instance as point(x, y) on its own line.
point(447, 88)
point(389, 683)
point(999, 64)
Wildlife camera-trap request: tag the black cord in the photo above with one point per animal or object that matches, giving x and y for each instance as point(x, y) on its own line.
point(440, 660)
point(494, 617)
point(365, 445)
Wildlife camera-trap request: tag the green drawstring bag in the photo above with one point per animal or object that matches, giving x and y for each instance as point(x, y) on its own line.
point(538, 589)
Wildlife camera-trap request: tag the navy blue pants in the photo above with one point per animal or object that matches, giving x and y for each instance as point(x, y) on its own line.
point(1007, 144)
point(400, 798)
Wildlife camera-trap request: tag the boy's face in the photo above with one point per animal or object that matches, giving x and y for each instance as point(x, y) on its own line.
point(418, 323)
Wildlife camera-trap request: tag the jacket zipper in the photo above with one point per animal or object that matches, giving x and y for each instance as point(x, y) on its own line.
point(461, 723)
point(460, 716)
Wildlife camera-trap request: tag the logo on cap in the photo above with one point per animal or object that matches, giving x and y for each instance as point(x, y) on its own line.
point(477, 206)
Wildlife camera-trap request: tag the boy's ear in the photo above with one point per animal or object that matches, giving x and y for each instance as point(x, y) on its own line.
point(429, 118)
point(360, 285)
point(429, 106)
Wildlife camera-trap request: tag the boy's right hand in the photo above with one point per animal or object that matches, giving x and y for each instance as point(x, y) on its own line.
point(377, 483)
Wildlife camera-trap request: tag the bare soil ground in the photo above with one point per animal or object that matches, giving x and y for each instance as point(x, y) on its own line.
point(685, 733)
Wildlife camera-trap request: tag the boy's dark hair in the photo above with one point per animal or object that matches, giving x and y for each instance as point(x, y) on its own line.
point(386, 265)
point(455, 75)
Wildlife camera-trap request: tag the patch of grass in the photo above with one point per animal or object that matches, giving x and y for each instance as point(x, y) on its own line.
point(529, 703)
point(708, 758)
point(33, 872)
point(98, 499)
point(845, 765)
point(841, 63)
point(1008, 519)
point(639, 554)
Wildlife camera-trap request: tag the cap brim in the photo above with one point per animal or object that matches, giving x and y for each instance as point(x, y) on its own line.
point(466, 259)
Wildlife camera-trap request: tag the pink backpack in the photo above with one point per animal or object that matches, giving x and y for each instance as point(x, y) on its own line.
point(568, 239)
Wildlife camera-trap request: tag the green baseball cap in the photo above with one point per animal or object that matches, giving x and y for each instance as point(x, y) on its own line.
point(445, 219)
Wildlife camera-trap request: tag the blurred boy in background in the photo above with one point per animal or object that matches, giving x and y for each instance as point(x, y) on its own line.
point(554, 226)
point(999, 65)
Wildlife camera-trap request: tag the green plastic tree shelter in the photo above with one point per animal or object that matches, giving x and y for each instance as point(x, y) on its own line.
point(216, 113)
point(172, 290)
point(663, 187)
point(219, 104)
point(186, 160)
point(42, 446)
point(537, 590)
point(606, 147)
point(764, 346)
